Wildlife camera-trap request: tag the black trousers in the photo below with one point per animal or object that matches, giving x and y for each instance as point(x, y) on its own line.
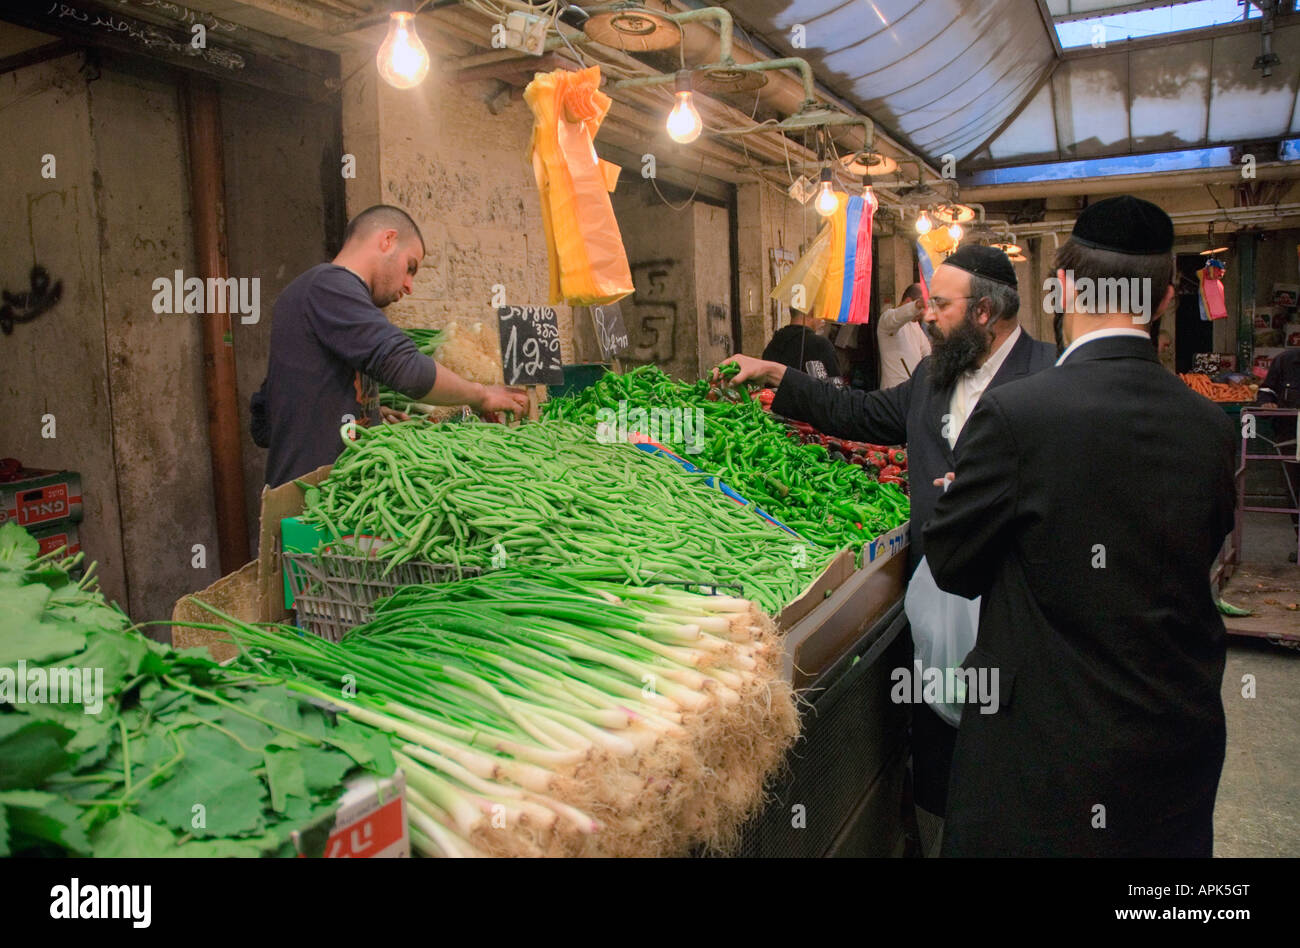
point(933, 739)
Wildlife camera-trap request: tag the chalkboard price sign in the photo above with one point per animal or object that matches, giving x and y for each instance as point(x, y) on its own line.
point(530, 345)
point(611, 331)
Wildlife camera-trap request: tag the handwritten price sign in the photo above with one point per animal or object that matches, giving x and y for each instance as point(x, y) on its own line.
point(611, 331)
point(530, 345)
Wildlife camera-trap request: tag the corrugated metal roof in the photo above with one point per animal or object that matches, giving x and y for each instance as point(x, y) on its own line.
point(943, 75)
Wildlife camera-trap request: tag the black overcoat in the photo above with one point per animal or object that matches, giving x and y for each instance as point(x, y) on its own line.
point(1089, 504)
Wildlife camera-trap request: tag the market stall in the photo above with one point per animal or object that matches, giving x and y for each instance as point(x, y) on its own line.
point(549, 639)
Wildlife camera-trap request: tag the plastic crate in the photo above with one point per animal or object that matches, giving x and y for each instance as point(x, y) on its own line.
point(578, 377)
point(334, 593)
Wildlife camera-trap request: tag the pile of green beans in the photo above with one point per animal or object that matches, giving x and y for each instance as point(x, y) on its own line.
point(833, 505)
point(549, 494)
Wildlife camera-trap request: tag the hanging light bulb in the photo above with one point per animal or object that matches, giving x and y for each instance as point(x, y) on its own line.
point(402, 60)
point(955, 232)
point(684, 123)
point(827, 203)
point(923, 223)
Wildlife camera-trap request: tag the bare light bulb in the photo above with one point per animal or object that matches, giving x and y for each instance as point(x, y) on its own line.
point(402, 60)
point(827, 203)
point(684, 122)
point(955, 233)
point(923, 224)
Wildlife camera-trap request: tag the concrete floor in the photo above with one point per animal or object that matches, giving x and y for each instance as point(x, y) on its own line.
point(1259, 793)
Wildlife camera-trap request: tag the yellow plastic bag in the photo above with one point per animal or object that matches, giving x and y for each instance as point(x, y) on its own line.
point(808, 273)
point(588, 264)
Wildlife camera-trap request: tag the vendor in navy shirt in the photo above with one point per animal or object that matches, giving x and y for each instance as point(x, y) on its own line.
point(331, 345)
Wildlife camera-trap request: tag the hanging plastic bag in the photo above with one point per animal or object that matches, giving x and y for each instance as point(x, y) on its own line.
point(1214, 303)
point(832, 291)
point(932, 249)
point(808, 273)
point(860, 307)
point(587, 261)
point(944, 628)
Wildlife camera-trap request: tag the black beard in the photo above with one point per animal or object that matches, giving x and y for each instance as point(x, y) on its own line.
point(1058, 327)
point(957, 352)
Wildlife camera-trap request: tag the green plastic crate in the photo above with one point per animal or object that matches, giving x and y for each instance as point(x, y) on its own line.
point(578, 377)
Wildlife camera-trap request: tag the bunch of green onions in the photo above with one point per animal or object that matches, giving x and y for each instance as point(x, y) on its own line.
point(534, 714)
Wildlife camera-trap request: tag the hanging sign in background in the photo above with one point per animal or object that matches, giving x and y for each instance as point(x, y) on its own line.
point(611, 331)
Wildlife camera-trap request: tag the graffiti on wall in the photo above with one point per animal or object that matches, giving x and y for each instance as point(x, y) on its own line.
point(654, 320)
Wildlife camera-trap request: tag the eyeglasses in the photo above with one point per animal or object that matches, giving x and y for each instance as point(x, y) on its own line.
point(941, 302)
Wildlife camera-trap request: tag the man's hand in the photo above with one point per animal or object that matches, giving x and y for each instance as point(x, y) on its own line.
point(392, 416)
point(945, 480)
point(501, 398)
point(767, 374)
point(920, 309)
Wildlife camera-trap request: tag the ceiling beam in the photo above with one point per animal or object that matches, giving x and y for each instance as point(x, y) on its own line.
point(36, 55)
point(293, 69)
point(1127, 183)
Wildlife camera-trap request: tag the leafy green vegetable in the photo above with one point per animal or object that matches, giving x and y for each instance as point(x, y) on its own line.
point(285, 775)
point(128, 836)
point(31, 751)
point(174, 755)
point(43, 817)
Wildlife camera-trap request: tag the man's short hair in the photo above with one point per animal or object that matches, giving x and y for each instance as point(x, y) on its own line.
point(913, 292)
point(384, 217)
point(1094, 264)
point(1004, 301)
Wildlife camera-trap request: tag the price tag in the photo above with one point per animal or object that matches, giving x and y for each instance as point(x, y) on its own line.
point(611, 331)
point(530, 345)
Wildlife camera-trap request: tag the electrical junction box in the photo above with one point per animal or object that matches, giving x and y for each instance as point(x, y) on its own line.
point(802, 189)
point(526, 32)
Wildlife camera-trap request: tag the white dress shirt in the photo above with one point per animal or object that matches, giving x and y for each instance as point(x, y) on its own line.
point(971, 385)
point(902, 343)
point(1102, 334)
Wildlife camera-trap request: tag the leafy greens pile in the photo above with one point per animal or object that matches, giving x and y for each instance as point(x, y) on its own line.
point(160, 753)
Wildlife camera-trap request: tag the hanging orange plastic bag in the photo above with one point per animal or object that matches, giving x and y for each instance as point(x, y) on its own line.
point(588, 264)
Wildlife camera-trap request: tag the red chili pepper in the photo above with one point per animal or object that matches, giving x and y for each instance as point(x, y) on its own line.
point(890, 479)
point(890, 470)
point(877, 458)
point(898, 456)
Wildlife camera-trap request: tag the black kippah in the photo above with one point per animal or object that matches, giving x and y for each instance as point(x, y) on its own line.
point(1125, 224)
point(988, 262)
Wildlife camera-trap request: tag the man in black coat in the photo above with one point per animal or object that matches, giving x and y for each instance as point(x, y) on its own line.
point(1097, 618)
point(978, 346)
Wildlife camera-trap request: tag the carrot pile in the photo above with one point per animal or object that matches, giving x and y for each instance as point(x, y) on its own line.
point(1217, 391)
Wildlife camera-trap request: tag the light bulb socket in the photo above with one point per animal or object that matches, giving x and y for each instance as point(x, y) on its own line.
point(574, 16)
point(825, 175)
point(682, 81)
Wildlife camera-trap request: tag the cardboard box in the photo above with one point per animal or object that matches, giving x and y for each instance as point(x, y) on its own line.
point(287, 500)
point(255, 592)
point(821, 588)
point(886, 545)
point(37, 501)
point(236, 594)
point(53, 537)
point(370, 823)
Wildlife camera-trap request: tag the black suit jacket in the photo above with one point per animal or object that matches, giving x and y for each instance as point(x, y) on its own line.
point(911, 414)
point(1089, 504)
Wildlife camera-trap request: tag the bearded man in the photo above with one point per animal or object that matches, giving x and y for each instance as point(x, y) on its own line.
point(977, 345)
